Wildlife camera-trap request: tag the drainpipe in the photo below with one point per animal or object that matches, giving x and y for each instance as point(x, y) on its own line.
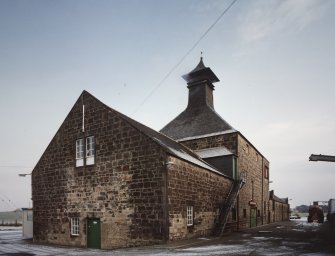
point(263, 191)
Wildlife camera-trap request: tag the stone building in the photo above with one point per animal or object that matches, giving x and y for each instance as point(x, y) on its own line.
point(279, 208)
point(200, 128)
point(107, 181)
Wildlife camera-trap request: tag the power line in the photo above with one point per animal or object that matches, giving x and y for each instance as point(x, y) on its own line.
point(15, 166)
point(187, 53)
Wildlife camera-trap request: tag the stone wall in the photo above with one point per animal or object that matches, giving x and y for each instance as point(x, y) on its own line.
point(189, 185)
point(228, 140)
point(254, 194)
point(252, 165)
point(279, 211)
point(124, 188)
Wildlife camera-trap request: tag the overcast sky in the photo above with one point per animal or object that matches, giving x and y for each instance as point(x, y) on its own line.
point(275, 60)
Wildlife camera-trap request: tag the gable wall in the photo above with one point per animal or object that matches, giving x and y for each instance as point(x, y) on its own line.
point(125, 188)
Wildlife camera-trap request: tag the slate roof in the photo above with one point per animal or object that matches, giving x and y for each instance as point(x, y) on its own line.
point(200, 72)
point(276, 198)
point(172, 147)
point(194, 122)
point(213, 152)
point(197, 119)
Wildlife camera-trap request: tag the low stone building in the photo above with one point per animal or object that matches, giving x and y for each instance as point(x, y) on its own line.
point(107, 181)
point(279, 208)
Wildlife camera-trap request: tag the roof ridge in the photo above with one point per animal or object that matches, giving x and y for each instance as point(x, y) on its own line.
point(185, 149)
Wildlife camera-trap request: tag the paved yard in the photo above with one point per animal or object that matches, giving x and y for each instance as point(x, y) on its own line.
point(286, 238)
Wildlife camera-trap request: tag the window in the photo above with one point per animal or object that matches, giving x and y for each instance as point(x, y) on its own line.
point(79, 152)
point(75, 226)
point(29, 215)
point(233, 214)
point(234, 167)
point(83, 158)
point(266, 172)
point(189, 216)
point(247, 149)
point(244, 213)
point(90, 150)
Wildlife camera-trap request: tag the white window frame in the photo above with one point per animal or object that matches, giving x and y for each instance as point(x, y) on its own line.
point(90, 150)
point(79, 152)
point(75, 226)
point(189, 216)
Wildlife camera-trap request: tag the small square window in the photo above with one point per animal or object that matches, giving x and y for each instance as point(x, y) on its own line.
point(79, 152)
point(75, 226)
point(189, 216)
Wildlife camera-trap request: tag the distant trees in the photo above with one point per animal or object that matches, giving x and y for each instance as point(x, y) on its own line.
point(302, 208)
point(305, 208)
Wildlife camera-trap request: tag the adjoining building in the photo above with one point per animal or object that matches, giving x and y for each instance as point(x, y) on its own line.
point(27, 223)
point(200, 128)
point(279, 208)
point(107, 181)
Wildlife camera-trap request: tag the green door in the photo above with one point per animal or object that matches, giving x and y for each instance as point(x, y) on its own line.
point(252, 217)
point(93, 233)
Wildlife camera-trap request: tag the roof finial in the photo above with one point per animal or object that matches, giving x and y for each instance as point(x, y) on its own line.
point(201, 55)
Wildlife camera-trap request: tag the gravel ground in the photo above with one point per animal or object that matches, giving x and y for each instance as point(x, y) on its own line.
point(295, 237)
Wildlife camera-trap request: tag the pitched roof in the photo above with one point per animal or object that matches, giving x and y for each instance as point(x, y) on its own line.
point(195, 122)
point(169, 145)
point(199, 117)
point(213, 152)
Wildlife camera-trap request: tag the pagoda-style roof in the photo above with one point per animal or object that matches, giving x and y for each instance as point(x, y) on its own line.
point(199, 117)
point(200, 73)
point(194, 122)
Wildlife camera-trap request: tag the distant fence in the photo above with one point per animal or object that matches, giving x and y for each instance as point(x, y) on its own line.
point(10, 222)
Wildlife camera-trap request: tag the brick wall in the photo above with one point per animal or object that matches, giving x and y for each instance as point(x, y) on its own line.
point(125, 187)
point(189, 185)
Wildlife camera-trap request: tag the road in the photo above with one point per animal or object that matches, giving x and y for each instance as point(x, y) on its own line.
point(295, 237)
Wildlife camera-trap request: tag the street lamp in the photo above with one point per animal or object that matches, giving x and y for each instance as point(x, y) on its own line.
point(24, 174)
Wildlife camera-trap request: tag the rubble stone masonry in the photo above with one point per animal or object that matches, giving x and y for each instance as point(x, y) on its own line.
point(250, 163)
point(124, 188)
point(189, 185)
